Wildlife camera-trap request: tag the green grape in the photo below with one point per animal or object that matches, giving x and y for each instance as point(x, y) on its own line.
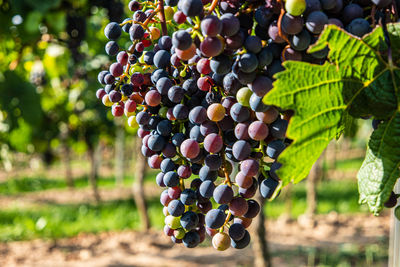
point(179, 233)
point(295, 7)
point(173, 222)
point(243, 96)
point(163, 112)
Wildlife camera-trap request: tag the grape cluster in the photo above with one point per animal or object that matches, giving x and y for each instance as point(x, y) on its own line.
point(196, 97)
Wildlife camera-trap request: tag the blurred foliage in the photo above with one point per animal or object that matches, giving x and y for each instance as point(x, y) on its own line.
point(50, 54)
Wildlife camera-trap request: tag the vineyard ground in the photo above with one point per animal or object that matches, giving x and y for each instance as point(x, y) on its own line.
point(337, 240)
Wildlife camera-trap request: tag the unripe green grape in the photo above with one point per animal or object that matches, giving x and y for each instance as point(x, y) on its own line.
point(182, 73)
point(243, 96)
point(179, 233)
point(173, 222)
point(397, 212)
point(169, 14)
point(295, 7)
point(163, 112)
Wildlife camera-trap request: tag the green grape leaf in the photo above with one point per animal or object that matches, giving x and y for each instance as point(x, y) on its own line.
point(381, 167)
point(357, 80)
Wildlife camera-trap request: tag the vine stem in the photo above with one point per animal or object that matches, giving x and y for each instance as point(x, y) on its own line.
point(162, 18)
point(281, 34)
point(147, 21)
point(212, 7)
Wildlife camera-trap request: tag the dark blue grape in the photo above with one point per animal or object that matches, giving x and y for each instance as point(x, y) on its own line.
point(275, 148)
point(213, 162)
point(189, 220)
point(112, 48)
point(167, 165)
point(191, 8)
point(164, 127)
point(236, 231)
point(188, 197)
point(178, 138)
point(176, 208)
point(267, 187)
point(162, 59)
point(191, 239)
point(206, 174)
point(156, 143)
point(171, 179)
point(242, 243)
point(112, 31)
point(206, 189)
point(278, 128)
point(215, 218)
point(248, 62)
point(223, 194)
point(180, 112)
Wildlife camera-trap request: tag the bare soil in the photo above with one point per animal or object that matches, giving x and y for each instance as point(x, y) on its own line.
point(130, 248)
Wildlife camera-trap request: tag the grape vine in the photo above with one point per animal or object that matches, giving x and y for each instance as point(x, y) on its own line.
point(197, 81)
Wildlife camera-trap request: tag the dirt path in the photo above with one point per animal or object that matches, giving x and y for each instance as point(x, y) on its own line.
point(129, 248)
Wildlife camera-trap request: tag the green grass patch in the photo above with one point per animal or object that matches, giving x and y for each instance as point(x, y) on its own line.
point(14, 186)
point(335, 195)
point(349, 164)
point(56, 221)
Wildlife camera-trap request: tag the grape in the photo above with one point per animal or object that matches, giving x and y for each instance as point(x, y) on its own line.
point(180, 112)
point(259, 130)
point(190, 148)
point(292, 24)
point(316, 21)
point(242, 243)
point(239, 113)
point(249, 167)
point(156, 142)
point(221, 241)
point(256, 104)
point(230, 24)
point(265, 57)
point(381, 3)
point(171, 179)
point(295, 7)
point(223, 194)
point(336, 22)
point(253, 44)
point(112, 31)
point(187, 53)
point(191, 8)
point(241, 150)
point(134, 5)
point(241, 131)
point(236, 231)
point(211, 46)
point(351, 12)
point(172, 222)
point(191, 240)
point(273, 32)
point(220, 64)
point(231, 84)
point(162, 59)
point(278, 128)
point(249, 192)
point(213, 143)
point(112, 48)
point(206, 174)
point(174, 192)
point(215, 218)
point(167, 165)
point(216, 112)
point(213, 162)
point(267, 187)
point(189, 220)
point(211, 26)
point(243, 181)
point(238, 206)
point(164, 198)
point(248, 62)
point(243, 96)
point(206, 189)
point(188, 197)
point(253, 209)
point(359, 27)
point(261, 85)
point(136, 32)
point(274, 167)
point(181, 40)
point(392, 201)
point(163, 85)
point(328, 4)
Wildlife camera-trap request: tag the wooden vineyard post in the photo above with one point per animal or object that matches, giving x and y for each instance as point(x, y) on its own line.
point(394, 239)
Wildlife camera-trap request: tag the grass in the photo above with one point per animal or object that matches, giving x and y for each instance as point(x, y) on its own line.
point(56, 221)
point(16, 186)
